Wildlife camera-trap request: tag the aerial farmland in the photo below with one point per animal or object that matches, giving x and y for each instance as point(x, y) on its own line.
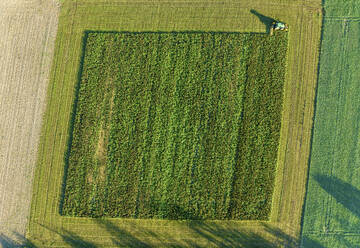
point(185, 123)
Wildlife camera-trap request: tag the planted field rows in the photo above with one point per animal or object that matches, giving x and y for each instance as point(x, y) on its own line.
point(168, 124)
point(47, 227)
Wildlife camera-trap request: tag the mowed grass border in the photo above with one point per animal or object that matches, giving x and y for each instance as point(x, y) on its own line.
point(48, 228)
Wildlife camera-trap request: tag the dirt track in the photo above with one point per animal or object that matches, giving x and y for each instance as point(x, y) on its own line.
point(28, 30)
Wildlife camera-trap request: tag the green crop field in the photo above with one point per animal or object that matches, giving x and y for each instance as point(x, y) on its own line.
point(332, 211)
point(54, 220)
point(167, 126)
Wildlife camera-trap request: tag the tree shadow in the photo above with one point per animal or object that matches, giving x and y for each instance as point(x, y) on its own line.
point(170, 211)
point(267, 21)
point(70, 238)
point(19, 241)
point(310, 243)
point(343, 192)
point(120, 238)
point(212, 233)
point(74, 240)
point(206, 233)
point(221, 236)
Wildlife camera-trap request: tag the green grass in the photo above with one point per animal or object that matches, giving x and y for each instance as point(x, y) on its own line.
point(332, 211)
point(177, 126)
point(339, 8)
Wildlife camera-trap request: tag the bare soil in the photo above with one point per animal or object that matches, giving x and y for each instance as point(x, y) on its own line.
point(27, 35)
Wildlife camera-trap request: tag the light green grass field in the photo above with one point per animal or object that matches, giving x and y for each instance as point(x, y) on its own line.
point(48, 228)
point(332, 211)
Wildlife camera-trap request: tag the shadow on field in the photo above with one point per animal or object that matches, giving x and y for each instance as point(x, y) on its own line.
point(343, 192)
point(121, 238)
point(74, 240)
point(267, 21)
point(309, 243)
point(222, 236)
point(170, 211)
point(207, 234)
point(70, 238)
point(7, 242)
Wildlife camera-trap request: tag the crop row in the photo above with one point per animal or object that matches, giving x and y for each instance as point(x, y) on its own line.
point(176, 125)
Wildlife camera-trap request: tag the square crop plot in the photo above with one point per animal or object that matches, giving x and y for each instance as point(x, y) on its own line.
point(178, 125)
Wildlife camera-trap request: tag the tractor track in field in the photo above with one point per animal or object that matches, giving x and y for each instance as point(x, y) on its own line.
point(28, 29)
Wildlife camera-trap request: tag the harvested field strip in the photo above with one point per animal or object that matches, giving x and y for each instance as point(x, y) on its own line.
point(160, 114)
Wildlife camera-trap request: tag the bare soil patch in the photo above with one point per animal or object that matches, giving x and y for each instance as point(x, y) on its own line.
point(28, 29)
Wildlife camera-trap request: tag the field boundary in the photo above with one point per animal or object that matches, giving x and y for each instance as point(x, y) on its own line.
point(47, 227)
